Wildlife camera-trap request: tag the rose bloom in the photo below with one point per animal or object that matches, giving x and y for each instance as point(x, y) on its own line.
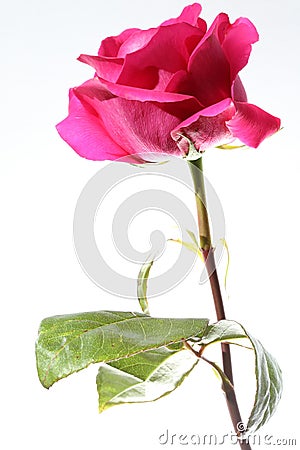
point(174, 89)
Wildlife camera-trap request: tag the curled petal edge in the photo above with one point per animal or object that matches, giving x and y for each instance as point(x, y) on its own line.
point(206, 128)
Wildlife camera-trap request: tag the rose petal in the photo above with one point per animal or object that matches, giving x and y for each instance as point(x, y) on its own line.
point(145, 95)
point(140, 127)
point(238, 91)
point(237, 44)
point(107, 68)
point(217, 28)
point(209, 73)
point(84, 132)
point(206, 128)
point(252, 125)
point(111, 45)
point(168, 49)
point(190, 14)
point(136, 41)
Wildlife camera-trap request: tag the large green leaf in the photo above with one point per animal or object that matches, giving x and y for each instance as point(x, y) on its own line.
point(267, 370)
point(144, 377)
point(69, 343)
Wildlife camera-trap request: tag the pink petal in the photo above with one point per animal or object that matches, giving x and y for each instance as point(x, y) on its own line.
point(189, 15)
point(237, 44)
point(107, 68)
point(136, 41)
point(179, 83)
point(145, 95)
point(84, 132)
point(168, 49)
point(137, 127)
point(252, 125)
point(218, 28)
point(206, 128)
point(209, 73)
point(238, 91)
point(111, 45)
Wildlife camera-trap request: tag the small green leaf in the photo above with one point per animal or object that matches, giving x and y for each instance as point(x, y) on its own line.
point(189, 245)
point(267, 370)
point(224, 242)
point(230, 147)
point(193, 237)
point(145, 377)
point(69, 343)
point(142, 283)
point(192, 246)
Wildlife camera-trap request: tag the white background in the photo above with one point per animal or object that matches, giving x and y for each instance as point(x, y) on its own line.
point(41, 179)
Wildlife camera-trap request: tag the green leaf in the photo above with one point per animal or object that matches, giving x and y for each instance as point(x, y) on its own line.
point(230, 147)
point(194, 239)
point(142, 283)
point(192, 246)
point(69, 343)
point(189, 245)
point(145, 377)
point(267, 370)
point(224, 242)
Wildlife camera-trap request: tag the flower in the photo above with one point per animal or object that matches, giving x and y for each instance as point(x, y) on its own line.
point(174, 89)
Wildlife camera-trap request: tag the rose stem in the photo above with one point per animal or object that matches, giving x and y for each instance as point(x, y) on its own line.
point(208, 254)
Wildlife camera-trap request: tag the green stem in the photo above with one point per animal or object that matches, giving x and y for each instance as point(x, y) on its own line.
point(207, 249)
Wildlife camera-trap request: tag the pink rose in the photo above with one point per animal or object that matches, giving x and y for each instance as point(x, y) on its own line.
point(166, 90)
